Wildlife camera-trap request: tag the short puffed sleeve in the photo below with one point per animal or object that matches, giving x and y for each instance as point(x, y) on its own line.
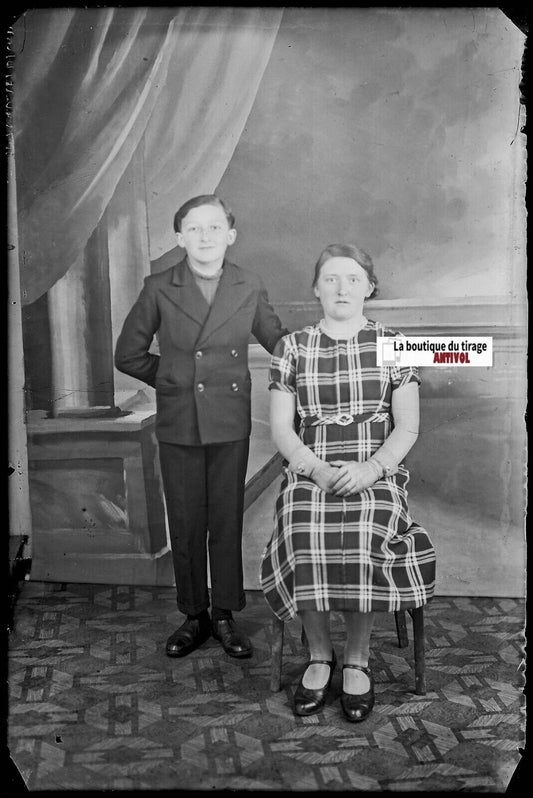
point(402, 375)
point(282, 374)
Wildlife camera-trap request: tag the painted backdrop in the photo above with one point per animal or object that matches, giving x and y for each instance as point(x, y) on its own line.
point(396, 128)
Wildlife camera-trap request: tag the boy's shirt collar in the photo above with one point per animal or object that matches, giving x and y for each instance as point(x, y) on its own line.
point(182, 275)
point(201, 276)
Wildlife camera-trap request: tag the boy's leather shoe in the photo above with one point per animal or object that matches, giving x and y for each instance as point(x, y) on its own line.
point(188, 637)
point(234, 642)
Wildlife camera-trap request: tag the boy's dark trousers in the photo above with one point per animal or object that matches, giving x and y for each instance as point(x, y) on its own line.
point(204, 494)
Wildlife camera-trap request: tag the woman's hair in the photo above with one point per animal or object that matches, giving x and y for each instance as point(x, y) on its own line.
point(348, 251)
point(195, 202)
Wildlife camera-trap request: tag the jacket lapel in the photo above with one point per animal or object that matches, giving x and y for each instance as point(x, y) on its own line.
point(232, 292)
point(183, 292)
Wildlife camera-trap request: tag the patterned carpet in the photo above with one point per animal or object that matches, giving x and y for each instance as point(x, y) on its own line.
point(94, 703)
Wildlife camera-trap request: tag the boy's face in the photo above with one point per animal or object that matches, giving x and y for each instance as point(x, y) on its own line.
point(205, 234)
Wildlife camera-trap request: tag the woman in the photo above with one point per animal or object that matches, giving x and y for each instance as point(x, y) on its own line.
point(344, 539)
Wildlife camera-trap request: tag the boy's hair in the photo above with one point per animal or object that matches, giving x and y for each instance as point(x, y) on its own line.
point(348, 251)
point(195, 202)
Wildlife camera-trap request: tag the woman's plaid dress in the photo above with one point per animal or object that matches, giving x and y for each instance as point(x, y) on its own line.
point(360, 553)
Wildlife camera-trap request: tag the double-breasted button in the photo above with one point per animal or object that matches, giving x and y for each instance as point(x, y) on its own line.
point(234, 386)
point(234, 353)
point(199, 354)
point(201, 387)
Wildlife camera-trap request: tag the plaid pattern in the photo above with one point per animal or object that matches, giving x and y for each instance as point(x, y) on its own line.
point(362, 553)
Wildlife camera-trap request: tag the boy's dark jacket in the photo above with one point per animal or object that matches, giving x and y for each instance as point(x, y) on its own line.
point(201, 375)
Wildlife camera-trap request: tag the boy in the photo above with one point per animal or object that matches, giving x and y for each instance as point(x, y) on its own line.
point(203, 310)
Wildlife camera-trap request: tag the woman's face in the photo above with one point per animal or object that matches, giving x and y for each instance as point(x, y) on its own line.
point(342, 287)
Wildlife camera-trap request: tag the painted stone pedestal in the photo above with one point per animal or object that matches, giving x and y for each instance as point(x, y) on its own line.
point(97, 500)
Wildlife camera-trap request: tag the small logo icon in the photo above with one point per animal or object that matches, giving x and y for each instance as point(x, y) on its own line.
point(389, 355)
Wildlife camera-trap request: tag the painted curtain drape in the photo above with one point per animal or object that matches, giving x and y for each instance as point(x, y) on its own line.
point(91, 86)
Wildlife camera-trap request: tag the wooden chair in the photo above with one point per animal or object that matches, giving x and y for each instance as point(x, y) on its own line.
point(417, 616)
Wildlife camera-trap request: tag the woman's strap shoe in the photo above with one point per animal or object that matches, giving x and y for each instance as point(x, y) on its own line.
point(357, 707)
point(307, 701)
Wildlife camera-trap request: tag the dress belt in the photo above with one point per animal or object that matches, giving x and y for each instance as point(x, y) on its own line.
point(343, 419)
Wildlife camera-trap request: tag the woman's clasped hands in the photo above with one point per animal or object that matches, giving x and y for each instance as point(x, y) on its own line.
point(344, 477)
point(338, 477)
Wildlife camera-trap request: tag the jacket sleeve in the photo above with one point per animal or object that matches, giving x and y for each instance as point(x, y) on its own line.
point(142, 322)
point(267, 327)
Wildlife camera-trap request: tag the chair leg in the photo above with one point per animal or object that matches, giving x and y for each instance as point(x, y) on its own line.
point(277, 631)
point(401, 628)
point(417, 615)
